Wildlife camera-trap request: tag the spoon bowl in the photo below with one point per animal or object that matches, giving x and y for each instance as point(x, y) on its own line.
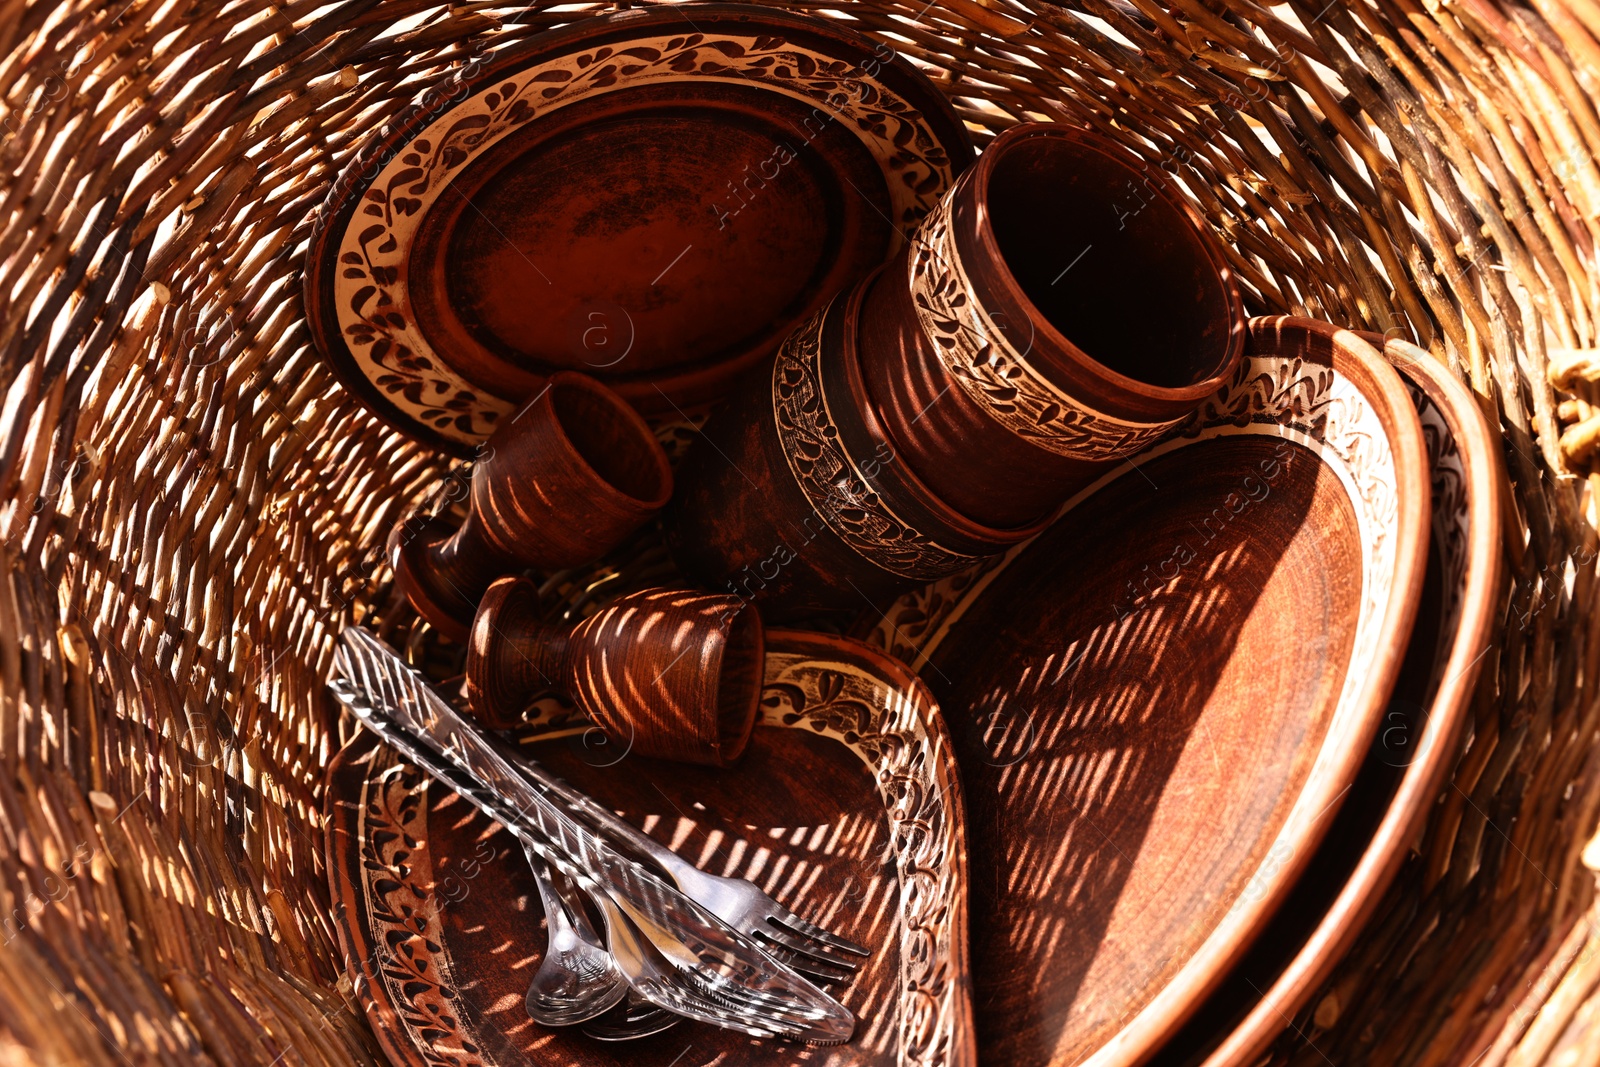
point(578, 980)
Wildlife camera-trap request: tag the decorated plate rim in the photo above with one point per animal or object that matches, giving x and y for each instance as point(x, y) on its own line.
point(888, 73)
point(1361, 393)
point(1465, 469)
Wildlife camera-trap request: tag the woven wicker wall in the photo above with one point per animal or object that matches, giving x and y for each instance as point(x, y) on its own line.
point(190, 507)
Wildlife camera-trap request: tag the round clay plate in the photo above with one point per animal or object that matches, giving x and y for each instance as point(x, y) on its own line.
point(1160, 702)
point(845, 807)
point(654, 198)
point(1416, 746)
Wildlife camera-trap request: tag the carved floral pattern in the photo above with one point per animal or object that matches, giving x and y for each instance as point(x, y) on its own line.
point(896, 733)
point(839, 491)
point(408, 958)
point(1332, 415)
point(372, 303)
point(1452, 517)
point(992, 365)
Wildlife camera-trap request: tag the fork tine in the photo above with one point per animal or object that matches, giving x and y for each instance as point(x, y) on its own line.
point(778, 935)
point(812, 930)
point(809, 966)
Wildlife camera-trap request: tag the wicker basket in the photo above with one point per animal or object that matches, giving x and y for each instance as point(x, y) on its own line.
point(191, 508)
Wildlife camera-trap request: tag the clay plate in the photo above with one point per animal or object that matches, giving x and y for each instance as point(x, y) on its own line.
point(1416, 746)
point(1159, 703)
point(845, 807)
point(654, 198)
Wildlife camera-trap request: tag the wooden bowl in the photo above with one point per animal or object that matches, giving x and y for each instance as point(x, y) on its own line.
point(654, 198)
point(1416, 747)
point(847, 809)
point(1160, 702)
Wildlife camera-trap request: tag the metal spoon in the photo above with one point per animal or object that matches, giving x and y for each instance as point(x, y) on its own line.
point(578, 980)
point(633, 1018)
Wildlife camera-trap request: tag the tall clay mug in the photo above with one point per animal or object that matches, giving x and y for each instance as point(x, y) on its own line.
point(560, 483)
point(1060, 310)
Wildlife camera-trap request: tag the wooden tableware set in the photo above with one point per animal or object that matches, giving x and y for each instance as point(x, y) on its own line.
point(1197, 594)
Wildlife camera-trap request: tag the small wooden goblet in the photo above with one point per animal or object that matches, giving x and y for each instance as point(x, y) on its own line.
point(562, 482)
point(670, 673)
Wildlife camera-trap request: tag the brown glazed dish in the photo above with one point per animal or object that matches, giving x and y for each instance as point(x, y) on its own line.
point(558, 484)
point(846, 808)
point(1159, 704)
point(653, 197)
point(1416, 747)
point(670, 673)
point(940, 411)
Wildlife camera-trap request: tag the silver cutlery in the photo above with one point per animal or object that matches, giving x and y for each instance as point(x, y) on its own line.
point(652, 981)
point(577, 980)
point(672, 950)
point(653, 976)
point(713, 955)
point(803, 945)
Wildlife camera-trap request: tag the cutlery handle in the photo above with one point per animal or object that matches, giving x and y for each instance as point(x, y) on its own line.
point(560, 896)
point(484, 777)
point(488, 780)
point(456, 779)
point(603, 819)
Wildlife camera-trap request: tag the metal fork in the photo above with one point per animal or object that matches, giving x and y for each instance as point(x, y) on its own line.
point(803, 945)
